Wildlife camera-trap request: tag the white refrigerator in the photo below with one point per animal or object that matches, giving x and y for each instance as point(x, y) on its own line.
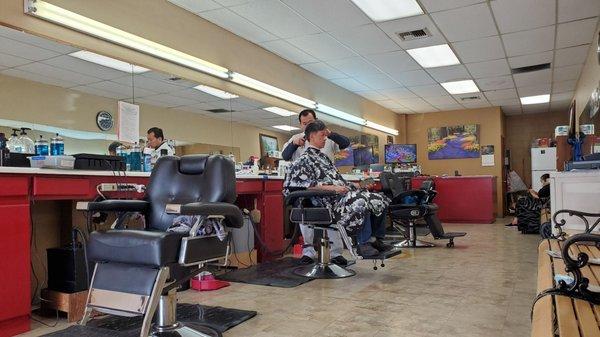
point(543, 160)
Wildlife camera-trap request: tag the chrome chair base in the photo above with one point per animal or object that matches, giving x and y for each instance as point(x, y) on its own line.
point(414, 244)
point(323, 271)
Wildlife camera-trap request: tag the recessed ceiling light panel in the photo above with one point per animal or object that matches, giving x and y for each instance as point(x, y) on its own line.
point(280, 111)
point(215, 92)
point(384, 10)
point(538, 99)
point(285, 127)
point(460, 87)
point(108, 62)
point(434, 56)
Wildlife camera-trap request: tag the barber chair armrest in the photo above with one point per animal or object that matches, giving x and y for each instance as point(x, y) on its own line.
point(231, 213)
point(291, 198)
point(113, 206)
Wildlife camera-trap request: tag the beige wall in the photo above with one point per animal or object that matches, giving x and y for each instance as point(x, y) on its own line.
point(490, 126)
point(163, 22)
point(33, 102)
point(589, 78)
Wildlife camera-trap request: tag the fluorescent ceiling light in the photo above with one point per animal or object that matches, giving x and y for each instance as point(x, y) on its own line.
point(380, 127)
point(285, 127)
point(340, 114)
point(108, 62)
point(215, 92)
point(434, 56)
point(280, 111)
point(535, 99)
point(271, 90)
point(460, 87)
point(384, 10)
point(61, 16)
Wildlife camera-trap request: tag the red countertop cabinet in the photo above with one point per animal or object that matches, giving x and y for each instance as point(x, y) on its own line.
point(15, 229)
point(467, 199)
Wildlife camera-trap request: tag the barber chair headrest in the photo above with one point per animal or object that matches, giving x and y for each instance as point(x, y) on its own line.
point(192, 164)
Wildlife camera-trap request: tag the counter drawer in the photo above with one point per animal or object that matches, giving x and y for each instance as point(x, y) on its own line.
point(248, 186)
point(14, 186)
point(60, 187)
point(274, 185)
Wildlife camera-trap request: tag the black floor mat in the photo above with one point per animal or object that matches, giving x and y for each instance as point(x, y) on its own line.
point(90, 331)
point(276, 273)
point(218, 318)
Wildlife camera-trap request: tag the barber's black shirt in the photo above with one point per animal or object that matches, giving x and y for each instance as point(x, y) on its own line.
point(544, 192)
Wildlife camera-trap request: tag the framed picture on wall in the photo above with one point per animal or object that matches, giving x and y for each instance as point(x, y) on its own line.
point(268, 144)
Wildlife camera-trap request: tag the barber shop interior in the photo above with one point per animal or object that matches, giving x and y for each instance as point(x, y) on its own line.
point(299, 168)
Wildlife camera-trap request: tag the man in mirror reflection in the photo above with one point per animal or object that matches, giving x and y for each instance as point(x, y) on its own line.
point(156, 141)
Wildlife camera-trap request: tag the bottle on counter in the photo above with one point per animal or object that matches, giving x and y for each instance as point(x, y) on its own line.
point(135, 158)
point(147, 160)
point(41, 147)
point(122, 151)
point(57, 146)
point(14, 143)
point(26, 142)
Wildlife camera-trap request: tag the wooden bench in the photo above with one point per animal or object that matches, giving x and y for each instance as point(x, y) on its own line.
point(561, 315)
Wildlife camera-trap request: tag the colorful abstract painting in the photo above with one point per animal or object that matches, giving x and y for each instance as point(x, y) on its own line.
point(453, 142)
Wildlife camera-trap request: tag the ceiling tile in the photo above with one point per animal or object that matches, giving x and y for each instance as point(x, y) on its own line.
point(200, 107)
point(466, 98)
point(378, 82)
point(391, 104)
point(367, 39)
point(449, 73)
point(373, 95)
point(495, 83)
point(563, 86)
point(324, 70)
point(569, 10)
point(62, 74)
point(529, 60)
point(489, 68)
point(322, 46)
point(27, 51)
point(536, 108)
point(288, 52)
point(413, 78)
point(391, 28)
point(171, 101)
point(440, 100)
point(10, 61)
point(512, 110)
point(30, 39)
point(83, 67)
point(398, 93)
point(563, 96)
point(576, 33)
point(276, 18)
point(571, 56)
point(121, 89)
point(466, 23)
point(529, 42)
point(354, 67)
point(195, 6)
point(228, 3)
point(394, 62)
point(15, 72)
point(147, 83)
point(504, 94)
point(238, 25)
point(534, 90)
point(434, 90)
point(437, 5)
point(488, 48)
point(424, 108)
point(331, 14)
point(533, 78)
point(567, 73)
point(449, 107)
point(102, 93)
point(476, 104)
point(560, 106)
point(195, 95)
point(350, 84)
point(417, 104)
point(516, 15)
point(503, 102)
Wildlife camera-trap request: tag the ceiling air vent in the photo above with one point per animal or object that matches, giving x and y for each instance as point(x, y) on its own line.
point(470, 98)
point(219, 111)
point(527, 69)
point(414, 34)
point(174, 78)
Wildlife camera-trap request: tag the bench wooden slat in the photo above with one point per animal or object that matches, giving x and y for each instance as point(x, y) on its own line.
point(541, 323)
point(565, 313)
point(586, 317)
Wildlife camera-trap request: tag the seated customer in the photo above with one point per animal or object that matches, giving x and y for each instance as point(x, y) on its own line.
point(528, 207)
point(314, 170)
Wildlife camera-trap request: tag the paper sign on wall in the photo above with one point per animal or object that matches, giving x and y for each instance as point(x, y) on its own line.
point(129, 122)
point(487, 155)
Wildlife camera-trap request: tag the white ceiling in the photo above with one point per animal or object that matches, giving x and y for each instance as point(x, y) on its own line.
point(40, 60)
point(337, 41)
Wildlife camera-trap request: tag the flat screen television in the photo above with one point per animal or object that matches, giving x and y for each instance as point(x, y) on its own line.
point(400, 153)
point(363, 156)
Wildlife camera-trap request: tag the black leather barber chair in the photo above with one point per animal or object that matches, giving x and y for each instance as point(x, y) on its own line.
point(420, 208)
point(138, 272)
point(321, 219)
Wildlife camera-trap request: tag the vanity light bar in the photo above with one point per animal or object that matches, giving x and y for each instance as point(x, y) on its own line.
point(271, 90)
point(382, 128)
point(63, 17)
point(340, 114)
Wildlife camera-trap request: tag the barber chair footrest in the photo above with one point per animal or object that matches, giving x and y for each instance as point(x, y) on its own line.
point(385, 255)
point(323, 271)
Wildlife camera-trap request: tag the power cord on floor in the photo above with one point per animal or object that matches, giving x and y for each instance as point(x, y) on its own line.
point(264, 246)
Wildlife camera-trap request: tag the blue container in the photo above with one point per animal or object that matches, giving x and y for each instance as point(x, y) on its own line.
point(57, 146)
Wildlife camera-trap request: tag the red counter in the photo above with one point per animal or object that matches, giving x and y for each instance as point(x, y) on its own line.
point(19, 190)
point(465, 199)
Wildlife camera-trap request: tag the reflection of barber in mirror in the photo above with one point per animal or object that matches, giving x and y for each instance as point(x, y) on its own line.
point(112, 148)
point(297, 144)
point(156, 141)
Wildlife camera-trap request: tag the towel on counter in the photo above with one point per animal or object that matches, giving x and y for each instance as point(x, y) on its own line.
point(208, 226)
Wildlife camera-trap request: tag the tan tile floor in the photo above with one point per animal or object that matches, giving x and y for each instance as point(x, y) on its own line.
point(482, 287)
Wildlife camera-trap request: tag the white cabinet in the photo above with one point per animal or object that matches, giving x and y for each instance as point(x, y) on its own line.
point(576, 190)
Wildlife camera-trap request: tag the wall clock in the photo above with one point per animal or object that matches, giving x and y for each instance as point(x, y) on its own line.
point(104, 120)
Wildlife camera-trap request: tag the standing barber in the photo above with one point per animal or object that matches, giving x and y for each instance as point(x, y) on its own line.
point(156, 142)
point(293, 149)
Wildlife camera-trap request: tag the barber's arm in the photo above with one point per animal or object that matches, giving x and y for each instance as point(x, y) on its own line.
point(342, 141)
point(291, 146)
